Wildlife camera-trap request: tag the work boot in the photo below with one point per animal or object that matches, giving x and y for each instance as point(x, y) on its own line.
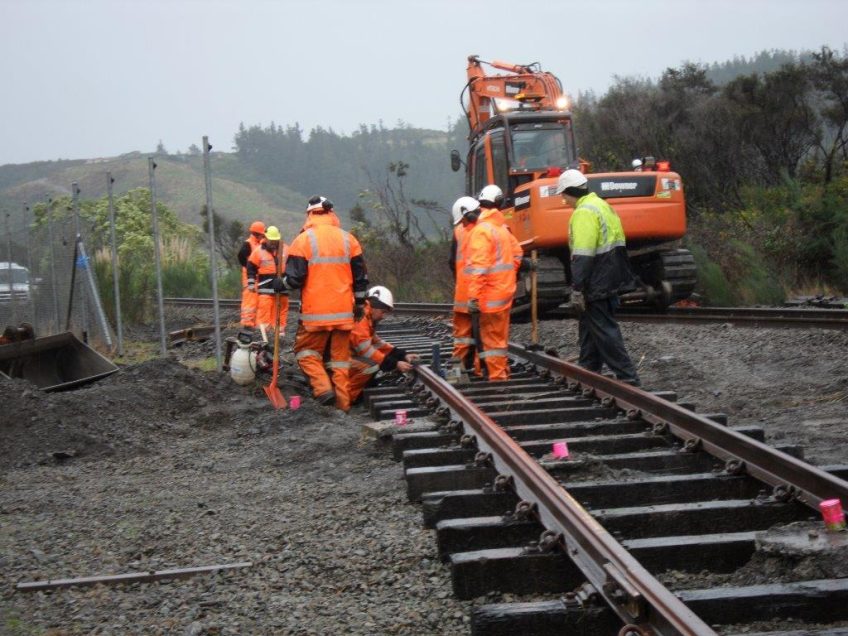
point(327, 399)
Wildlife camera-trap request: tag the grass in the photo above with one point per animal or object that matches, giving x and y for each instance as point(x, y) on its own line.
point(138, 351)
point(14, 626)
point(202, 364)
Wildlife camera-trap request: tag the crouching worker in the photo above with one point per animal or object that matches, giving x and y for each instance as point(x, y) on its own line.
point(368, 352)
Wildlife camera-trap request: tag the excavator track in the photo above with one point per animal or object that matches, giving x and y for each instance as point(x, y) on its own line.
point(675, 267)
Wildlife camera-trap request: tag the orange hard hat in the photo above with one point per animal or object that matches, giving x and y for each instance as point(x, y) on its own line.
point(257, 227)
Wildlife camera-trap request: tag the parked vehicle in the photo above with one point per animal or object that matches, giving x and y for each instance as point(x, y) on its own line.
point(14, 283)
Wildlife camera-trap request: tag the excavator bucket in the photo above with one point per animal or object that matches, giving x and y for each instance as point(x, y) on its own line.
point(54, 363)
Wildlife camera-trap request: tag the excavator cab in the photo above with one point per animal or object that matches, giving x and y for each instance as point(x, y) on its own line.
point(521, 139)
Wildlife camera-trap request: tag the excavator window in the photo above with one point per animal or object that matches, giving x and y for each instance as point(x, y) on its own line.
point(537, 147)
point(499, 162)
point(480, 168)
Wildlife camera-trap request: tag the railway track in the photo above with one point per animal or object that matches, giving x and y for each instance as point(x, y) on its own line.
point(752, 317)
point(658, 522)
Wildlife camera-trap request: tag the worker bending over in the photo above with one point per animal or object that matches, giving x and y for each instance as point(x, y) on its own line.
point(600, 269)
point(369, 352)
point(326, 263)
point(465, 212)
point(494, 258)
point(249, 300)
point(262, 269)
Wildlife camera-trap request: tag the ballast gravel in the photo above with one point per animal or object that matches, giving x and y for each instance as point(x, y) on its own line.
point(171, 467)
point(335, 546)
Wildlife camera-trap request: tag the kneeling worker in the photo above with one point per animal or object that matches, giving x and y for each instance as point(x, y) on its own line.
point(369, 353)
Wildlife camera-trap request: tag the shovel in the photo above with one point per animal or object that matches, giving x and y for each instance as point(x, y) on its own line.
point(272, 390)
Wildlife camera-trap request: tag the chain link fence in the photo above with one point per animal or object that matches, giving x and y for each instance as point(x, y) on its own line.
point(46, 273)
point(52, 253)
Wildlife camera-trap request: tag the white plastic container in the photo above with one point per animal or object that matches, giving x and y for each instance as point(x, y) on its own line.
point(243, 365)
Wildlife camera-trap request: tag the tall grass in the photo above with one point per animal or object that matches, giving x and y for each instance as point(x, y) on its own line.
point(185, 272)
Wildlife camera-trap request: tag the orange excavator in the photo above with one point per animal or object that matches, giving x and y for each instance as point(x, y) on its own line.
point(522, 138)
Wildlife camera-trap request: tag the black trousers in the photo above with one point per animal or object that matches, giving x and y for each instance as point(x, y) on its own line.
point(601, 341)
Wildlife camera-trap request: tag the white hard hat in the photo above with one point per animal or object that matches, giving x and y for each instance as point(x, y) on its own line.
point(319, 204)
point(491, 194)
point(570, 179)
point(637, 163)
point(461, 206)
point(381, 297)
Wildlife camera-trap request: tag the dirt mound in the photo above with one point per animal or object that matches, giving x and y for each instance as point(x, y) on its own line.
point(121, 414)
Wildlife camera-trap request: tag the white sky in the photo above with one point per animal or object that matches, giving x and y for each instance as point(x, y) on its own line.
point(90, 78)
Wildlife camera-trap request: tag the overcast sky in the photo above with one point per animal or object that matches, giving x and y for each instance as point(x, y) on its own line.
point(94, 78)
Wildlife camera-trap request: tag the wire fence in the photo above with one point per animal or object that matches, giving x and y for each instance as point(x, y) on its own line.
point(48, 274)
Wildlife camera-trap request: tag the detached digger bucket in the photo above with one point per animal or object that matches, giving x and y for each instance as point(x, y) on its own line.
point(54, 363)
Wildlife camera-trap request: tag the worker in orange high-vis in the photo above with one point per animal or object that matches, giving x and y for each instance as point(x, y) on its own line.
point(370, 352)
point(494, 259)
point(325, 262)
point(464, 215)
point(261, 275)
point(249, 299)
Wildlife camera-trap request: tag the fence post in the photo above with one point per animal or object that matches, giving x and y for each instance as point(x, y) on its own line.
point(9, 276)
point(29, 246)
point(115, 279)
point(53, 280)
point(75, 192)
point(151, 166)
point(213, 263)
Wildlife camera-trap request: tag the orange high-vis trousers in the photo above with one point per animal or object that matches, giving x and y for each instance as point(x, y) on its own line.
point(494, 332)
point(265, 312)
point(249, 301)
point(358, 379)
point(463, 339)
point(310, 347)
point(463, 342)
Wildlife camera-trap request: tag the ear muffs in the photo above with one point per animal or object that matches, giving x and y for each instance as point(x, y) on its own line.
point(327, 205)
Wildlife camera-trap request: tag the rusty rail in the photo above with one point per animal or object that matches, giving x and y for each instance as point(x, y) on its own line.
point(790, 477)
point(633, 593)
point(775, 317)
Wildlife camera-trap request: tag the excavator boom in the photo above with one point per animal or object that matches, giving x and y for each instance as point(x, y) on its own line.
point(526, 88)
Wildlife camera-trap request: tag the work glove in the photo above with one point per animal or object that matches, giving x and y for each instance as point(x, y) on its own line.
point(404, 367)
point(473, 306)
point(358, 310)
point(527, 265)
point(578, 302)
point(278, 284)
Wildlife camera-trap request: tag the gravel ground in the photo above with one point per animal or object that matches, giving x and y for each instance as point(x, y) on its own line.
point(176, 467)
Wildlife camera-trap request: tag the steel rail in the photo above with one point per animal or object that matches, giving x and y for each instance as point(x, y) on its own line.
point(745, 316)
point(742, 316)
point(791, 478)
point(232, 303)
point(629, 589)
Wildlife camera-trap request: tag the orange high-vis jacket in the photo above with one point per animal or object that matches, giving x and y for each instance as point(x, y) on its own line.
point(262, 268)
point(367, 349)
point(250, 244)
point(326, 262)
point(462, 236)
point(494, 257)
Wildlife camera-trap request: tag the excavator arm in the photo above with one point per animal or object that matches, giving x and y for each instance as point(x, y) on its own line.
point(526, 87)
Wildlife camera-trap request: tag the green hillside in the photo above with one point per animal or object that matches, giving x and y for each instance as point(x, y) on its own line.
point(236, 192)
